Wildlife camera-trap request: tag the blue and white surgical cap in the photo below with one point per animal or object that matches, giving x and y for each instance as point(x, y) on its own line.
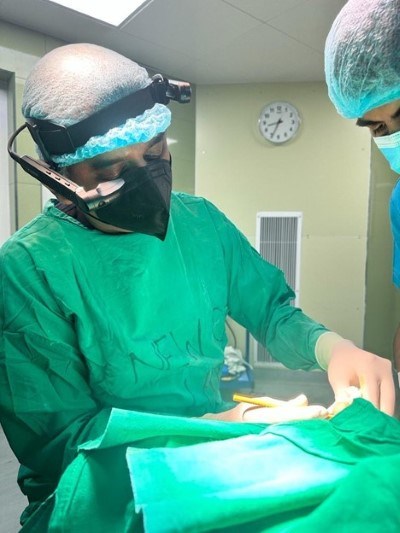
point(362, 56)
point(75, 81)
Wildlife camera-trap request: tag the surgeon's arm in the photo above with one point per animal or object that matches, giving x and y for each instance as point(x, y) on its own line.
point(46, 406)
point(260, 300)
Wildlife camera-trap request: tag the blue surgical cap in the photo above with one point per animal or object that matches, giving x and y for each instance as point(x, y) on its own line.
point(135, 130)
point(362, 56)
point(75, 81)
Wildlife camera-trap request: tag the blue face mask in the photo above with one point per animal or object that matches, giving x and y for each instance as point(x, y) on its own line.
point(389, 145)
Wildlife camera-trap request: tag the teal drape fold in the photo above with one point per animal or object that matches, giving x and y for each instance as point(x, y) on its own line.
point(191, 475)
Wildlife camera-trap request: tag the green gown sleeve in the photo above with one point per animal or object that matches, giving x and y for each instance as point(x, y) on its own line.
point(46, 404)
point(260, 300)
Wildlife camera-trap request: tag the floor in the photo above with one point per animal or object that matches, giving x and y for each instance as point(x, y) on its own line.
point(276, 382)
point(12, 501)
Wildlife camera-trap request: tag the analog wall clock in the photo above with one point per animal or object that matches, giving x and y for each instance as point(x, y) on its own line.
point(279, 122)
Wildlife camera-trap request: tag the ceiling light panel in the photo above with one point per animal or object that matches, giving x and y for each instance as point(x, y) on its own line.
point(113, 12)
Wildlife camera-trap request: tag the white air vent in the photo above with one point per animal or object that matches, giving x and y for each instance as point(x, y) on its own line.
point(278, 240)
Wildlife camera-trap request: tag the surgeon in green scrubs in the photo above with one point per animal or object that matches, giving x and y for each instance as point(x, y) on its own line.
point(115, 297)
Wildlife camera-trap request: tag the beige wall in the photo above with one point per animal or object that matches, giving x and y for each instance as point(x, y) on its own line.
point(382, 313)
point(19, 51)
point(324, 172)
point(181, 140)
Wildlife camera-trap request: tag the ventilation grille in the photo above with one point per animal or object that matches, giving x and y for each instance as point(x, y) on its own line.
point(278, 240)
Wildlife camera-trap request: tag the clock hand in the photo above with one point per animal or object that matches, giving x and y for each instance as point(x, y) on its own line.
point(276, 127)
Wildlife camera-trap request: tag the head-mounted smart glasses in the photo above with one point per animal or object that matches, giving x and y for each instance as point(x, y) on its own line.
point(53, 139)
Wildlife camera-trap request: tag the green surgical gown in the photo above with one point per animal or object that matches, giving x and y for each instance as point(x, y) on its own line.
point(92, 321)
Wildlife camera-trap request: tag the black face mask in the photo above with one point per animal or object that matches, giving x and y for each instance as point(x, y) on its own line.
point(138, 200)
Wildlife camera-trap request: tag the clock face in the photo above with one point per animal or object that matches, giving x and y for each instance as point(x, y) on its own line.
point(279, 122)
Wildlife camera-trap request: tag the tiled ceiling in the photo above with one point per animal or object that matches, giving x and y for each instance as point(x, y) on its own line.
point(202, 41)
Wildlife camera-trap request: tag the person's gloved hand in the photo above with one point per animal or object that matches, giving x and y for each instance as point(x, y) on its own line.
point(296, 409)
point(351, 366)
point(344, 400)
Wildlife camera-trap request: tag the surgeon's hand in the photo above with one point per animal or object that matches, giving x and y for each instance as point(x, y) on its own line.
point(351, 366)
point(296, 409)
